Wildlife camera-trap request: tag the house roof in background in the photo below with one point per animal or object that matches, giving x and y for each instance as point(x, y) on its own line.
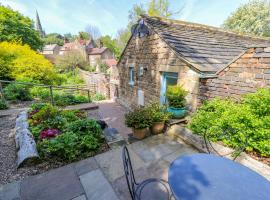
point(96, 51)
point(206, 48)
point(111, 62)
point(49, 47)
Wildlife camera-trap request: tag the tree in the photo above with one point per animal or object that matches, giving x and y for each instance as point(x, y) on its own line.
point(84, 35)
point(93, 31)
point(70, 60)
point(111, 44)
point(24, 63)
point(69, 37)
point(54, 38)
point(159, 8)
point(14, 27)
point(252, 18)
point(135, 13)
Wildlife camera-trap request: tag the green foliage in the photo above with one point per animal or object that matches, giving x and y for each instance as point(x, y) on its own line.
point(14, 27)
point(6, 65)
point(24, 63)
point(111, 44)
point(252, 18)
point(98, 97)
point(54, 38)
point(79, 137)
point(84, 35)
point(159, 8)
point(60, 98)
point(3, 104)
point(70, 60)
point(158, 112)
point(139, 118)
point(250, 118)
point(71, 78)
point(176, 96)
point(17, 92)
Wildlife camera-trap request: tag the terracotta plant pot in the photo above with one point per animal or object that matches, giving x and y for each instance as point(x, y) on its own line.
point(157, 127)
point(139, 133)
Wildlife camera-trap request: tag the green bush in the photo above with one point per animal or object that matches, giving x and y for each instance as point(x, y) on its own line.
point(139, 118)
point(3, 104)
point(82, 137)
point(16, 92)
point(176, 96)
point(98, 97)
point(60, 98)
point(79, 137)
point(158, 112)
point(250, 119)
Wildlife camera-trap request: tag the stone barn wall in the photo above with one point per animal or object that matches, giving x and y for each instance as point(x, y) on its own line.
point(155, 57)
point(246, 74)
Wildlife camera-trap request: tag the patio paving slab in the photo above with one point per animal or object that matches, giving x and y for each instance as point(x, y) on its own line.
point(82, 197)
point(57, 184)
point(180, 152)
point(155, 147)
point(112, 165)
point(10, 191)
point(85, 166)
point(97, 187)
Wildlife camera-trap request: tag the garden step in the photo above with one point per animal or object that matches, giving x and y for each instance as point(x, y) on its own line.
point(83, 106)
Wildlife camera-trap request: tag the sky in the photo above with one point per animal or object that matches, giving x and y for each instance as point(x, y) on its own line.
point(71, 16)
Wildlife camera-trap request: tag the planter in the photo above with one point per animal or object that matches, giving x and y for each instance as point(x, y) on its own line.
point(157, 127)
point(139, 133)
point(177, 113)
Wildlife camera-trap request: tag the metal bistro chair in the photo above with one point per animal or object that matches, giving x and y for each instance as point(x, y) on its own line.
point(135, 189)
point(228, 135)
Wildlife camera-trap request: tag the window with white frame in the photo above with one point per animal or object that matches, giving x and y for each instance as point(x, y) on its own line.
point(131, 76)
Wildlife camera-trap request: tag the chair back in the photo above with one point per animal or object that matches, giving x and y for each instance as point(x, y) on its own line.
point(131, 182)
point(226, 134)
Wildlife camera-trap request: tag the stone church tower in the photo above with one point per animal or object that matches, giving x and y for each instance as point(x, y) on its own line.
point(38, 26)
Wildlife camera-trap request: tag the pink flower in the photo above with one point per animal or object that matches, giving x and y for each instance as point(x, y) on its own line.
point(49, 133)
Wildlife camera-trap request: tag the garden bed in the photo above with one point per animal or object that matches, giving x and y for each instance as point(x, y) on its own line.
point(9, 171)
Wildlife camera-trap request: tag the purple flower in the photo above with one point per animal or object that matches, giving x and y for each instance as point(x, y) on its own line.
point(49, 133)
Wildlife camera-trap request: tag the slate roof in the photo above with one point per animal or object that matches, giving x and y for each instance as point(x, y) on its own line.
point(49, 47)
point(95, 51)
point(206, 48)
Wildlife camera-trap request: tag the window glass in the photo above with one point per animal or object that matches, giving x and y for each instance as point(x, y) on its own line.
point(131, 76)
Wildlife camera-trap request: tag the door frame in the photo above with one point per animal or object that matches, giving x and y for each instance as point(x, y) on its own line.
point(163, 84)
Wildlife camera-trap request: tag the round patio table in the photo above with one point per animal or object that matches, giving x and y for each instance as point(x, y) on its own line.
point(210, 177)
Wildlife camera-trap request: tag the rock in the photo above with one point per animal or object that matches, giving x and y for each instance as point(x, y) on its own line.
point(111, 134)
point(24, 140)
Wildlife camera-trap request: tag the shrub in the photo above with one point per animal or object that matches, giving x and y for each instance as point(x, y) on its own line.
point(176, 96)
point(64, 135)
point(17, 92)
point(98, 97)
point(26, 63)
point(139, 118)
point(250, 119)
point(82, 137)
point(158, 112)
point(3, 104)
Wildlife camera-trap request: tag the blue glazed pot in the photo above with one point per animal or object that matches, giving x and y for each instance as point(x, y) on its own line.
point(177, 113)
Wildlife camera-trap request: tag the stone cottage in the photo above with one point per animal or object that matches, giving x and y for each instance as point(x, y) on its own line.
point(206, 61)
point(102, 54)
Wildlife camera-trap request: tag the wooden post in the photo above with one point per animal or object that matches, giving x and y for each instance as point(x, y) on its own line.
point(88, 93)
point(51, 94)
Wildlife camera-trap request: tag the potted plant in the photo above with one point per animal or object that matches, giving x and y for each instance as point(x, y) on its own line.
point(176, 101)
point(139, 120)
point(159, 116)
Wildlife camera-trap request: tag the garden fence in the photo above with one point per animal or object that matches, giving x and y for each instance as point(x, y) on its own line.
point(51, 88)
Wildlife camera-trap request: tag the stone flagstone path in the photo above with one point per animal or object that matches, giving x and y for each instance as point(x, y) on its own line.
point(100, 177)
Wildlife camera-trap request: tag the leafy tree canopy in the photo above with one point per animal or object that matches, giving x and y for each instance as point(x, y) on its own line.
point(14, 27)
point(20, 62)
point(111, 44)
point(54, 38)
point(84, 35)
point(252, 18)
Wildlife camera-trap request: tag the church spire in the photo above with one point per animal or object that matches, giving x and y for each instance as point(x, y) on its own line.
point(38, 26)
